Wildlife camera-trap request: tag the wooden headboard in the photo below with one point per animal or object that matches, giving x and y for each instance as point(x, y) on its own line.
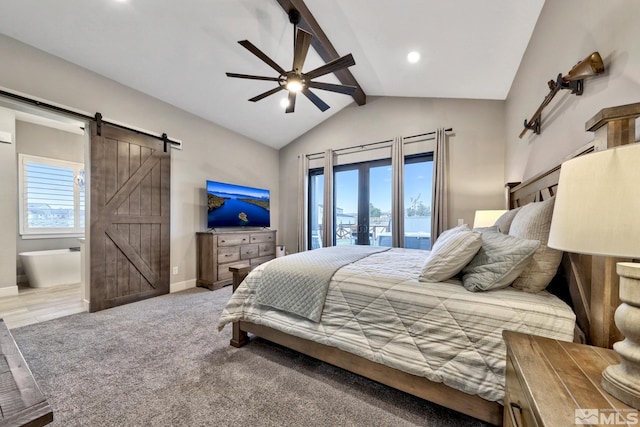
point(594, 305)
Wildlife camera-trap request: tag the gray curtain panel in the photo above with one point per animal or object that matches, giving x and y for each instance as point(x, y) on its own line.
point(439, 200)
point(327, 208)
point(397, 193)
point(303, 184)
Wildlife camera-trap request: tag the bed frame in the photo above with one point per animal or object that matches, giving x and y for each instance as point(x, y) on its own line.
point(594, 308)
point(537, 189)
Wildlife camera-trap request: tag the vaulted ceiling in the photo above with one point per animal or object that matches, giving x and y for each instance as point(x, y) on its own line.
point(179, 51)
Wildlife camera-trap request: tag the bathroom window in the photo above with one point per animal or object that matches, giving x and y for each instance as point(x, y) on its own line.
point(51, 196)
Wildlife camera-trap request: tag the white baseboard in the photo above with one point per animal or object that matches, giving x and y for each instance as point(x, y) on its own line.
point(182, 286)
point(85, 304)
point(9, 291)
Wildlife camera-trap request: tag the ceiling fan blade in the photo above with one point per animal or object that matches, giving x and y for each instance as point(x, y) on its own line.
point(303, 41)
point(257, 52)
point(248, 76)
point(317, 101)
point(292, 102)
point(330, 67)
point(345, 89)
point(265, 94)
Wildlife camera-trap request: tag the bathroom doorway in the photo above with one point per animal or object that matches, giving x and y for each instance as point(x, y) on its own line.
point(49, 154)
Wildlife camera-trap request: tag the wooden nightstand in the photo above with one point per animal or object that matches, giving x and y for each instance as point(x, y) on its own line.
point(550, 383)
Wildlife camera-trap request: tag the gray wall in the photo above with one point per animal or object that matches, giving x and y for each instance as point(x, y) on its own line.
point(210, 151)
point(567, 31)
point(8, 211)
point(476, 149)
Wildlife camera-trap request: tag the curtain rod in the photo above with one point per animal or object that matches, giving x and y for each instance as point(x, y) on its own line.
point(375, 143)
point(62, 110)
point(426, 134)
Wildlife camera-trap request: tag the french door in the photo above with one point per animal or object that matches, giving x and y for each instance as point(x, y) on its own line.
point(362, 203)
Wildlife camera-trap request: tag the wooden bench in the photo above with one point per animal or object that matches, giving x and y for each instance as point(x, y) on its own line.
point(21, 401)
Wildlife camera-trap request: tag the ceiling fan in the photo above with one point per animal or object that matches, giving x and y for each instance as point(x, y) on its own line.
point(295, 80)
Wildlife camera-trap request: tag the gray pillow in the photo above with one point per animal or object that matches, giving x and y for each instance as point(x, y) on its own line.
point(499, 261)
point(533, 222)
point(504, 222)
point(452, 251)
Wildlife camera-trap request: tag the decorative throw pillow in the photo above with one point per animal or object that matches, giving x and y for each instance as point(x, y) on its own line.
point(452, 251)
point(499, 261)
point(504, 222)
point(533, 222)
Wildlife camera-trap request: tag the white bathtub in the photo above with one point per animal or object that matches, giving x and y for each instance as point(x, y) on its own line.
point(51, 268)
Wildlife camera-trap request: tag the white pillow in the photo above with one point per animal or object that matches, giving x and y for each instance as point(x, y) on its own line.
point(504, 222)
point(533, 222)
point(450, 253)
point(499, 261)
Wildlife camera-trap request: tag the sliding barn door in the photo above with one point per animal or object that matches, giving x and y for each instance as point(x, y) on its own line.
point(129, 234)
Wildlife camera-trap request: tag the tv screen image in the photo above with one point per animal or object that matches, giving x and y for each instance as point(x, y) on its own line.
point(230, 205)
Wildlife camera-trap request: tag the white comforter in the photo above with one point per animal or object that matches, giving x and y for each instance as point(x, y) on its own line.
point(376, 308)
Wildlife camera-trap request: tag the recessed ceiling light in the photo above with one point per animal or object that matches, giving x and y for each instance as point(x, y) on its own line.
point(413, 57)
point(284, 102)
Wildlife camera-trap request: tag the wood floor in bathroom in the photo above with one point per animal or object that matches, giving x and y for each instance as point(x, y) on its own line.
point(33, 305)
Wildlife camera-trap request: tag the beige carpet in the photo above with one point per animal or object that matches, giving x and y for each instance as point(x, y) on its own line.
point(161, 362)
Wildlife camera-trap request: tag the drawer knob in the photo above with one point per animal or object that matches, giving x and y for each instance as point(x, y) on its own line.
point(222, 241)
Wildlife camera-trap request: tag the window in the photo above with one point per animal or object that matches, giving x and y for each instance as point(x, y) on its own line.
point(418, 178)
point(51, 196)
point(362, 203)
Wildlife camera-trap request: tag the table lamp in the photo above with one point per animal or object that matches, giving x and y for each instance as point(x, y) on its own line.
point(486, 218)
point(597, 212)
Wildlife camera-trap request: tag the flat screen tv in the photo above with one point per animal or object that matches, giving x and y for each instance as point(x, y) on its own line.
point(230, 205)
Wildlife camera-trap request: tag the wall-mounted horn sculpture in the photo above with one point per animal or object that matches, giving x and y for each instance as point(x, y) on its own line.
point(591, 66)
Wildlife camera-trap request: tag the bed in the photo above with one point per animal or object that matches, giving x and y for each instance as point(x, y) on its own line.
point(446, 345)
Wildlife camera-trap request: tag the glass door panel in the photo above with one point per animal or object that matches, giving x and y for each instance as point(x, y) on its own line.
point(378, 231)
point(346, 207)
point(316, 184)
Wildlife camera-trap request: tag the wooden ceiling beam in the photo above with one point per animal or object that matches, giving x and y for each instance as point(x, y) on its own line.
point(322, 45)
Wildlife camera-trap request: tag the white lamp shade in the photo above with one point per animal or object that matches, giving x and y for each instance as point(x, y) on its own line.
point(486, 218)
point(597, 206)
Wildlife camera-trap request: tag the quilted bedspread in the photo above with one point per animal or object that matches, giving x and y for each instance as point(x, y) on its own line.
point(298, 283)
point(376, 308)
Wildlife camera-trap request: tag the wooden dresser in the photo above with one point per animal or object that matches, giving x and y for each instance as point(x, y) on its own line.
point(219, 250)
point(556, 383)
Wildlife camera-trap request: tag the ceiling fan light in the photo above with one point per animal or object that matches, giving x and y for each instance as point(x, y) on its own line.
point(284, 102)
point(294, 85)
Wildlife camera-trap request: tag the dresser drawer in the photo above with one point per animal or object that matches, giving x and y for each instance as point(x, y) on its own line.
point(249, 251)
point(229, 254)
point(257, 261)
point(267, 249)
point(263, 237)
point(232, 239)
